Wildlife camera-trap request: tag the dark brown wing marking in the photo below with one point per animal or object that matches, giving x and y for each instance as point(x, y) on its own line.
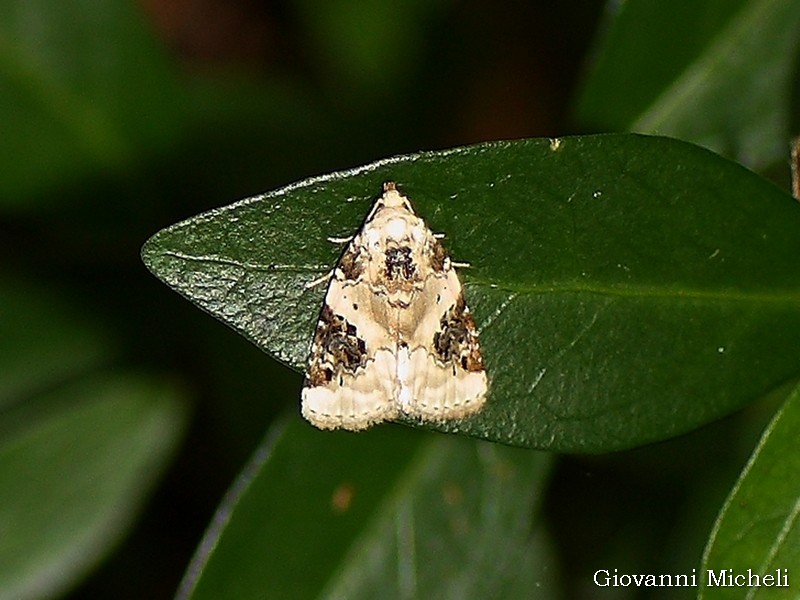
point(456, 341)
point(337, 347)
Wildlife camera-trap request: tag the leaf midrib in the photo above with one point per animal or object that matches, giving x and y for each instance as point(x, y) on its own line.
point(620, 291)
point(640, 291)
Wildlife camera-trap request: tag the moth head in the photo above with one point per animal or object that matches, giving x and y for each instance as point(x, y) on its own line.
point(392, 198)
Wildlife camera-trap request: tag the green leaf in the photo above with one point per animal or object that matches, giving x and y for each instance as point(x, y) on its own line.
point(84, 88)
point(715, 72)
point(758, 526)
point(74, 472)
point(386, 513)
point(627, 288)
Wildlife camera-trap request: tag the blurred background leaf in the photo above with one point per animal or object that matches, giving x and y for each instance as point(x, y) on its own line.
point(44, 342)
point(74, 473)
point(758, 528)
point(364, 55)
point(88, 90)
point(388, 513)
point(718, 73)
point(123, 116)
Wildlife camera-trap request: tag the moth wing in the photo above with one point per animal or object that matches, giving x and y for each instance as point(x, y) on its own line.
point(356, 403)
point(444, 392)
point(352, 367)
point(445, 372)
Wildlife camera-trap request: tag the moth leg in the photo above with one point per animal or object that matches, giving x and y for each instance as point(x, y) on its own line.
point(324, 279)
point(341, 240)
point(458, 265)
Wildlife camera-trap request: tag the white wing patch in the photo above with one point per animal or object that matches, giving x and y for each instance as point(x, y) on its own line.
point(395, 336)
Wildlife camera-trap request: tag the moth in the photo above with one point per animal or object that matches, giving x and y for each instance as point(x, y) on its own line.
point(395, 336)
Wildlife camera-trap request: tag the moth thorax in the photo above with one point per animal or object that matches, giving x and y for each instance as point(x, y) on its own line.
point(400, 264)
point(397, 229)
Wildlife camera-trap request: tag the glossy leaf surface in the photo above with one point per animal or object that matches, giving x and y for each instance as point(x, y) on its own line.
point(627, 288)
